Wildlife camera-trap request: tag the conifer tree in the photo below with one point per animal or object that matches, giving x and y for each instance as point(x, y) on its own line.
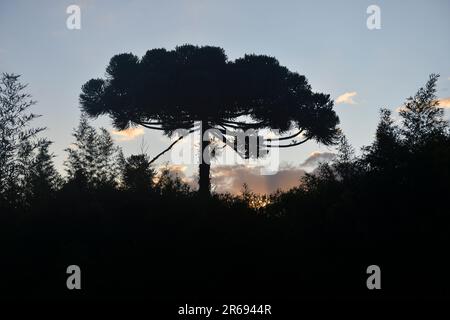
point(93, 158)
point(423, 120)
point(18, 140)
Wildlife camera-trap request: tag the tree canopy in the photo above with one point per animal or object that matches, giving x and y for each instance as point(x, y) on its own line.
point(169, 90)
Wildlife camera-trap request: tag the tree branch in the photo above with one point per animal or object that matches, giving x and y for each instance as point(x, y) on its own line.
point(288, 145)
point(286, 138)
point(150, 127)
point(151, 123)
point(240, 125)
point(144, 124)
point(170, 146)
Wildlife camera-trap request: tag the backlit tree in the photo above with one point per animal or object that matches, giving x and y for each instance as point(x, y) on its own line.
point(169, 90)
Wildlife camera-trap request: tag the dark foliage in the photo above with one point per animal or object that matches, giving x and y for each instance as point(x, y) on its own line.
point(151, 236)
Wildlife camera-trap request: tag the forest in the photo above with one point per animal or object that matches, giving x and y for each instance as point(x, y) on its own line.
point(137, 232)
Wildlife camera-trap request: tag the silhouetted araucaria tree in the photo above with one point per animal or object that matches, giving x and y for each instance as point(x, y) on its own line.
point(169, 90)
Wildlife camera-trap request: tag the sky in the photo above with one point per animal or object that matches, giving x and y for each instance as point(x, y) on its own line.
point(327, 41)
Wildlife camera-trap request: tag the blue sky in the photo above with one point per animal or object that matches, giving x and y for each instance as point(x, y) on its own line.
point(327, 41)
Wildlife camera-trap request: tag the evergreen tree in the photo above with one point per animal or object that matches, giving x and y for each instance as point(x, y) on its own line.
point(18, 140)
point(422, 118)
point(168, 90)
point(344, 163)
point(137, 173)
point(384, 152)
point(109, 160)
point(44, 178)
point(93, 158)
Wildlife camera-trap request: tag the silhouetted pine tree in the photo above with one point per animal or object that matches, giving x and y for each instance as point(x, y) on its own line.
point(109, 160)
point(137, 175)
point(167, 90)
point(93, 158)
point(44, 178)
point(385, 152)
point(18, 140)
point(422, 118)
point(345, 164)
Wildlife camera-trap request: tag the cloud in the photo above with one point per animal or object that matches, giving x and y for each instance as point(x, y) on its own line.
point(346, 98)
point(444, 102)
point(401, 108)
point(317, 157)
point(231, 178)
point(128, 134)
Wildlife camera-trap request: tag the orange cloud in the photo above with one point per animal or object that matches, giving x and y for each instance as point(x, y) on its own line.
point(128, 134)
point(444, 102)
point(346, 98)
point(401, 108)
point(231, 179)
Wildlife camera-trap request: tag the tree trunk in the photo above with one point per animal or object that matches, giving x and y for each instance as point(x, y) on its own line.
point(204, 183)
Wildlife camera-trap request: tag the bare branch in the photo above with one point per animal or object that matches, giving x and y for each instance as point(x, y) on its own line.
point(171, 145)
point(288, 145)
point(144, 124)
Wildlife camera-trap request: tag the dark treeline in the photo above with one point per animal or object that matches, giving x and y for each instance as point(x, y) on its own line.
point(138, 233)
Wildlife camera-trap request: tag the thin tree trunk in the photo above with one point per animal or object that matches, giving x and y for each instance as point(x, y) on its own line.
point(204, 182)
